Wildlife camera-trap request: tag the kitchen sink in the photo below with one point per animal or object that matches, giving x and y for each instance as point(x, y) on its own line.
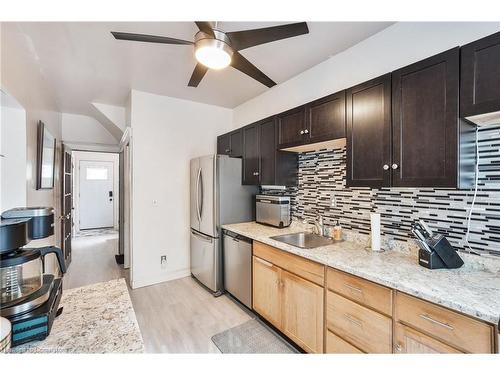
point(304, 240)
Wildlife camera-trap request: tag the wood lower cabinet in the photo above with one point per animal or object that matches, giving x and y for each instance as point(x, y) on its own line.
point(291, 303)
point(411, 341)
point(336, 345)
point(302, 318)
point(267, 290)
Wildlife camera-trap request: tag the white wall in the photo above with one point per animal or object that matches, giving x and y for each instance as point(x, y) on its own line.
point(166, 134)
point(21, 77)
point(399, 45)
point(13, 151)
point(81, 129)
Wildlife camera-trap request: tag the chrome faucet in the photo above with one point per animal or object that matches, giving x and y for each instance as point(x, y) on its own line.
point(318, 225)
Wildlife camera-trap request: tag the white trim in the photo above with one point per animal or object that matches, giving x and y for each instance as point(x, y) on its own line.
point(160, 279)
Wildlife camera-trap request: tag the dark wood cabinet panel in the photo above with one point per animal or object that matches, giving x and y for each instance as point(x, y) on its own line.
point(425, 122)
point(251, 155)
point(480, 76)
point(224, 144)
point(369, 133)
point(292, 127)
point(267, 152)
point(326, 118)
point(236, 144)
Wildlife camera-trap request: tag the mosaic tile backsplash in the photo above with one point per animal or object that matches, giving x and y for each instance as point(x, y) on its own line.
point(322, 190)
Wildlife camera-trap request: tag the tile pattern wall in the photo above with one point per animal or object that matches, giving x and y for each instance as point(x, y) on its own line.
point(322, 182)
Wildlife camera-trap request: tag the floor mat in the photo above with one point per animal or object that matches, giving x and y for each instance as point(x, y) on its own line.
point(251, 337)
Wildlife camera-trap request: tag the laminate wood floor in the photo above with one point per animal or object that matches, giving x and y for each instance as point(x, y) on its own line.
point(177, 316)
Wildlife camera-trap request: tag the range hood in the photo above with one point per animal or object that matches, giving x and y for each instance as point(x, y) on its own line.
point(492, 118)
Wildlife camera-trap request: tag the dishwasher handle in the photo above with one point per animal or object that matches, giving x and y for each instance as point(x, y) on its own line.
point(237, 237)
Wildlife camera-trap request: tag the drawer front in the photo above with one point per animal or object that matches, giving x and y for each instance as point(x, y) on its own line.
point(365, 328)
point(363, 291)
point(335, 344)
point(304, 268)
point(453, 328)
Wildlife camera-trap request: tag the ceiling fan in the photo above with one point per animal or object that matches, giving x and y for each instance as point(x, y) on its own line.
point(216, 49)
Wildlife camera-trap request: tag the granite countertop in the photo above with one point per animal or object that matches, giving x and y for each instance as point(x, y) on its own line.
point(97, 318)
point(473, 289)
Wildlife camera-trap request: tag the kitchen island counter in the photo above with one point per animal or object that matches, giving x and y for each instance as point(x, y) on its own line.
point(97, 318)
point(473, 289)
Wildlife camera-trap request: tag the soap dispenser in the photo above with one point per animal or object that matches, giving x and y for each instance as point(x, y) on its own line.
point(337, 231)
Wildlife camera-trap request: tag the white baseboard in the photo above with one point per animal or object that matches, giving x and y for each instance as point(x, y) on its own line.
point(139, 283)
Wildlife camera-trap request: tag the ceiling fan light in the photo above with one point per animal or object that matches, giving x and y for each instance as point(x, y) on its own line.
point(213, 53)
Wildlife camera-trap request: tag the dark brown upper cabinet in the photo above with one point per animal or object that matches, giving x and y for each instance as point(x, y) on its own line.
point(251, 154)
point(231, 144)
point(326, 118)
point(270, 166)
point(480, 76)
point(425, 122)
point(291, 127)
point(369, 133)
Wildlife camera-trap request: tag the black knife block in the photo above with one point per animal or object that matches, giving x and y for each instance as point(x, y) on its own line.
point(442, 254)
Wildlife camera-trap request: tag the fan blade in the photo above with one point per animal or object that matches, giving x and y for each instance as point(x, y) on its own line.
point(205, 26)
point(245, 66)
point(249, 38)
point(198, 73)
point(148, 38)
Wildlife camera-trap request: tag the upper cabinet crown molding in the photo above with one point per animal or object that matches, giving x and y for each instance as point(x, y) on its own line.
point(480, 76)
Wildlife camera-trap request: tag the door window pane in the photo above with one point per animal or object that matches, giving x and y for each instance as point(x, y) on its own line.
point(96, 173)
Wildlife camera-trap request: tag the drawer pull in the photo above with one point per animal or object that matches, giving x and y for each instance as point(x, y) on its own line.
point(353, 320)
point(353, 288)
point(265, 263)
point(434, 321)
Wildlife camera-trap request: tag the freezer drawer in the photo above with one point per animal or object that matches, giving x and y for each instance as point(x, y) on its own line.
point(206, 260)
point(238, 267)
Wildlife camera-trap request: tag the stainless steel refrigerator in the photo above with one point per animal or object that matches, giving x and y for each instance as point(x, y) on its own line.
point(217, 197)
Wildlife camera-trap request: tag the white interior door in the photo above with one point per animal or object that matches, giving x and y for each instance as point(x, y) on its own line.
point(96, 194)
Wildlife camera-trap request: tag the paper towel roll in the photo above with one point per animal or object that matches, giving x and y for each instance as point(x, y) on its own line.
point(375, 224)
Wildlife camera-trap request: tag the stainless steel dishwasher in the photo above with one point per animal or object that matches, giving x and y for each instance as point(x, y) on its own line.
point(238, 267)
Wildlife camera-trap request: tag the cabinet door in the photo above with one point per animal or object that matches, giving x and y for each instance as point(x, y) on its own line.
point(480, 78)
point(267, 152)
point(236, 144)
point(302, 312)
point(369, 133)
point(251, 155)
point(266, 291)
point(425, 122)
point(223, 144)
point(292, 127)
point(410, 341)
point(326, 118)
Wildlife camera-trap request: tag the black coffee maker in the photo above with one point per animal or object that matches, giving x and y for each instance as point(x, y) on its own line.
point(29, 296)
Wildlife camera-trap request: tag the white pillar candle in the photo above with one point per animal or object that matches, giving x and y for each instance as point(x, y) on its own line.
point(375, 226)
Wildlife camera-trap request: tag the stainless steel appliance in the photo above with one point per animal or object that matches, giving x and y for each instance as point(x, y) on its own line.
point(29, 296)
point(217, 197)
point(238, 267)
point(273, 210)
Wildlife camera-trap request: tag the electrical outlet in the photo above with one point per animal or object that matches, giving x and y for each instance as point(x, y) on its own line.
point(163, 261)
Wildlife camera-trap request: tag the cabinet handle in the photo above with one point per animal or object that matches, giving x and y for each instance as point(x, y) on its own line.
point(306, 131)
point(398, 348)
point(437, 322)
point(255, 173)
point(394, 166)
point(228, 150)
point(301, 132)
point(386, 167)
point(264, 262)
point(353, 320)
point(353, 288)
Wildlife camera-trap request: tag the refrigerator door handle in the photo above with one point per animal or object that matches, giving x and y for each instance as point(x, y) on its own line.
point(201, 236)
point(202, 198)
point(198, 195)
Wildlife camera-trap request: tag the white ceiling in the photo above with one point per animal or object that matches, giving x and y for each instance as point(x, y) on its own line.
point(83, 63)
